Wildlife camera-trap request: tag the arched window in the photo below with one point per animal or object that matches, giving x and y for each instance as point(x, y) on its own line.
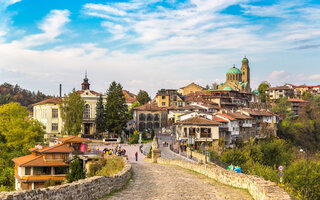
point(156, 125)
point(149, 125)
point(142, 117)
point(149, 117)
point(86, 111)
point(156, 117)
point(142, 126)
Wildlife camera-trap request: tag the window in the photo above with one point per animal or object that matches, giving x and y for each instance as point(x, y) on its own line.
point(42, 170)
point(156, 117)
point(60, 170)
point(156, 125)
point(149, 117)
point(163, 97)
point(54, 127)
point(163, 104)
point(54, 113)
point(142, 117)
point(27, 171)
point(175, 98)
point(86, 111)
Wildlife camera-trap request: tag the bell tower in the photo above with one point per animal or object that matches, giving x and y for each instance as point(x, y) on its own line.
point(245, 72)
point(85, 85)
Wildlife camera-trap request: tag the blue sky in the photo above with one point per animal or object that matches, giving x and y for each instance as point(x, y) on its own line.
point(154, 44)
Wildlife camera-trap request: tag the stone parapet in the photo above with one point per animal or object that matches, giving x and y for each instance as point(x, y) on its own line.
point(85, 189)
point(259, 188)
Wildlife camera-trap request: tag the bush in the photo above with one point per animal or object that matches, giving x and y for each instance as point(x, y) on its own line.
point(96, 166)
point(113, 165)
point(135, 137)
point(49, 183)
point(150, 152)
point(152, 134)
point(295, 177)
point(144, 134)
point(234, 156)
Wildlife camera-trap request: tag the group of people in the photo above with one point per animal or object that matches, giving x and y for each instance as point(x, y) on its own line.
point(116, 151)
point(165, 144)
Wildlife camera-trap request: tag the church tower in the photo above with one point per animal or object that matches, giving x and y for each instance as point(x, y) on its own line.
point(245, 72)
point(85, 85)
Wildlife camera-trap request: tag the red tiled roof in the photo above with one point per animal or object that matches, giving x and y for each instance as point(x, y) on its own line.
point(298, 100)
point(58, 148)
point(238, 115)
point(74, 139)
point(32, 160)
point(199, 121)
point(279, 88)
point(91, 91)
point(55, 100)
point(255, 112)
point(219, 119)
point(227, 116)
point(130, 97)
point(150, 107)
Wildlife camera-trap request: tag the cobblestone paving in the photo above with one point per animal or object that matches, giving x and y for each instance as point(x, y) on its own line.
point(154, 181)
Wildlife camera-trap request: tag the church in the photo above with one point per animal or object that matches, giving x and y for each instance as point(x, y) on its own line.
point(236, 79)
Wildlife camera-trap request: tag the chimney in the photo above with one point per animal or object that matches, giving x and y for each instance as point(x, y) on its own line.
point(60, 89)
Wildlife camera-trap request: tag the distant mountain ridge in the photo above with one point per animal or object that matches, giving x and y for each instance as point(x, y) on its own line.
point(14, 93)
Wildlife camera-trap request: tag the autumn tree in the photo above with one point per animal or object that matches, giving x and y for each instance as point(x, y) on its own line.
point(143, 97)
point(116, 110)
point(72, 110)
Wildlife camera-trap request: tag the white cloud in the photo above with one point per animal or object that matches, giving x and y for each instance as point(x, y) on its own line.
point(279, 75)
point(314, 77)
point(51, 27)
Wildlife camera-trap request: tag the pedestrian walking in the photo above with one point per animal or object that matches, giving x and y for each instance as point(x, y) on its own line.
point(137, 156)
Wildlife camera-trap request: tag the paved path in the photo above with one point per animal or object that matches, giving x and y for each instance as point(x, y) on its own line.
point(154, 181)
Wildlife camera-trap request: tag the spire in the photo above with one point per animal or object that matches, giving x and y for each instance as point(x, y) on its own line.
point(85, 85)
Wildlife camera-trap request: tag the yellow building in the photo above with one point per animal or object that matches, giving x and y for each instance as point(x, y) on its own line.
point(191, 88)
point(237, 79)
point(169, 98)
point(48, 112)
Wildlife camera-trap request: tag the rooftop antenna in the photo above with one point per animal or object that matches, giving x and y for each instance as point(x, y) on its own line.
point(86, 74)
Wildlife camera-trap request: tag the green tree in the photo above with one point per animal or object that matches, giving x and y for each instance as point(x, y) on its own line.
point(143, 97)
point(116, 110)
point(18, 133)
point(306, 95)
point(135, 137)
point(144, 134)
point(262, 90)
point(282, 107)
point(72, 110)
point(134, 105)
point(100, 116)
point(152, 134)
point(76, 171)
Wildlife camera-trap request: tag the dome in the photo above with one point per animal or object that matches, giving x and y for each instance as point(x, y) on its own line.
point(256, 92)
point(234, 70)
point(245, 59)
point(227, 88)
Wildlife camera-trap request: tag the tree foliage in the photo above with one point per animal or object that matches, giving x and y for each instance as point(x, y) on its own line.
point(134, 105)
point(72, 110)
point(18, 133)
point(116, 110)
point(143, 97)
point(262, 90)
point(76, 170)
point(282, 107)
point(10, 93)
point(100, 119)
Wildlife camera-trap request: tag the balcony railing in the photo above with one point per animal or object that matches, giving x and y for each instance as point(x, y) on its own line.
point(204, 135)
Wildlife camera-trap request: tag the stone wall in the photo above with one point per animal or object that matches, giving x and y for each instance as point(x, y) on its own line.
point(86, 189)
point(259, 188)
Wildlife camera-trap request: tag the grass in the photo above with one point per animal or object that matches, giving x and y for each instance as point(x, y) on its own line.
point(146, 141)
point(106, 166)
point(118, 190)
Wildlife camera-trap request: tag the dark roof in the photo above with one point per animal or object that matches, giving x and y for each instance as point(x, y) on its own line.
point(199, 121)
point(280, 88)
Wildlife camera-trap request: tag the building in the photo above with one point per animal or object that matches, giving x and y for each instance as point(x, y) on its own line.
point(279, 92)
point(237, 79)
point(49, 114)
point(191, 88)
point(200, 128)
point(130, 97)
point(168, 98)
point(229, 99)
point(150, 116)
point(297, 105)
point(47, 163)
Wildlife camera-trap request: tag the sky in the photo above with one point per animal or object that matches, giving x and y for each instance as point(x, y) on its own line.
point(154, 44)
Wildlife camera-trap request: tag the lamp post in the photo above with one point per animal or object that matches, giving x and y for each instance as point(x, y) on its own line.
point(206, 146)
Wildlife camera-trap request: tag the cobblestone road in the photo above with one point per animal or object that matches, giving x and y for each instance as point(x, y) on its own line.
point(154, 181)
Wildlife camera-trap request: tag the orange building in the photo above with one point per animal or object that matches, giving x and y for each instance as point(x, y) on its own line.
point(47, 163)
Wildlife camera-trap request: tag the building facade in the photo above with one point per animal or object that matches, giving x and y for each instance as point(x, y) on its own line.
point(168, 98)
point(191, 88)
